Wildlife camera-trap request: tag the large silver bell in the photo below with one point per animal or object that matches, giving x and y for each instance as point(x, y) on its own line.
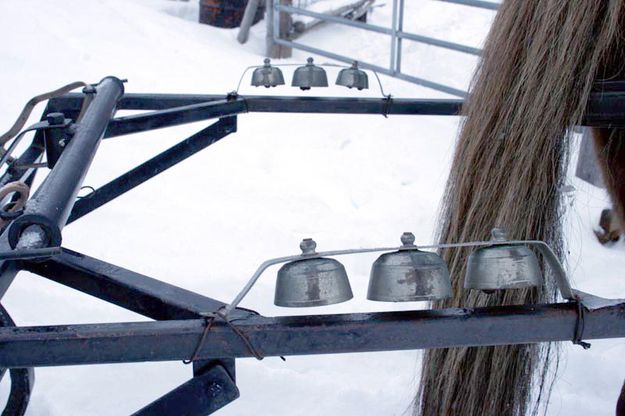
point(409, 275)
point(315, 281)
point(508, 266)
point(309, 75)
point(353, 77)
point(267, 75)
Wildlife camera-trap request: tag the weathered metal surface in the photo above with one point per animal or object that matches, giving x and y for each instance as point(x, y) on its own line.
point(312, 282)
point(130, 290)
point(51, 204)
point(22, 379)
point(604, 109)
point(353, 78)
point(178, 339)
point(304, 335)
point(496, 267)
point(409, 275)
point(310, 75)
point(174, 117)
point(202, 395)
point(267, 76)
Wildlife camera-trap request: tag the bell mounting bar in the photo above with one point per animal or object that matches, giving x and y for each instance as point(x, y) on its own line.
point(31, 241)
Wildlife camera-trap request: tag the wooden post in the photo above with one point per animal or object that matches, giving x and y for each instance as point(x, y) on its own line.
point(278, 51)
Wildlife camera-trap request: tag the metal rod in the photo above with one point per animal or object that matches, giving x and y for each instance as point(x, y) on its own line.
point(153, 167)
point(400, 27)
point(552, 259)
point(174, 117)
point(201, 396)
point(382, 70)
point(562, 281)
point(379, 29)
point(605, 107)
point(393, 64)
point(305, 335)
point(52, 202)
point(475, 3)
point(329, 105)
point(440, 43)
point(130, 290)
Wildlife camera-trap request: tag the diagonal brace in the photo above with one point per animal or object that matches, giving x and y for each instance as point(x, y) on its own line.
point(202, 395)
point(133, 291)
point(154, 166)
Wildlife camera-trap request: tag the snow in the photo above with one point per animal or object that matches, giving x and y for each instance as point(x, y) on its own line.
point(206, 224)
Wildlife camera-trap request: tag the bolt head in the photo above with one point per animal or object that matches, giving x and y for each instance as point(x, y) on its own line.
point(408, 239)
point(308, 246)
point(55, 119)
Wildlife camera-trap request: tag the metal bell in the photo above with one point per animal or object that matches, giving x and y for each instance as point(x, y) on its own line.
point(314, 281)
point(267, 75)
point(409, 275)
point(309, 75)
point(353, 77)
point(509, 266)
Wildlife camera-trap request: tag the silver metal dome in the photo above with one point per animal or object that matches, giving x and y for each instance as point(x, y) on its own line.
point(353, 77)
point(309, 75)
point(409, 275)
point(313, 281)
point(508, 266)
point(267, 75)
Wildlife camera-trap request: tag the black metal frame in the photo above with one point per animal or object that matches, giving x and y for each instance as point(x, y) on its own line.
point(180, 315)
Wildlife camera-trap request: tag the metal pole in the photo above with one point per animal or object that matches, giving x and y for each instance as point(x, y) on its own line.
point(475, 3)
point(393, 66)
point(307, 335)
point(248, 19)
point(400, 27)
point(50, 207)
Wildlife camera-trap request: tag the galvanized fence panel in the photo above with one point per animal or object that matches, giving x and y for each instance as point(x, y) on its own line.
point(396, 33)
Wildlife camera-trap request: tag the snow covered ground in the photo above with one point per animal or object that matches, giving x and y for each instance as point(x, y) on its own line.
point(347, 181)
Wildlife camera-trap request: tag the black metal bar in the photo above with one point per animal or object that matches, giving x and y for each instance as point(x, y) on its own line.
point(174, 117)
point(22, 379)
point(51, 204)
point(201, 366)
point(133, 291)
point(8, 268)
point(304, 335)
point(134, 101)
point(206, 111)
point(604, 107)
point(154, 166)
point(200, 396)
point(327, 105)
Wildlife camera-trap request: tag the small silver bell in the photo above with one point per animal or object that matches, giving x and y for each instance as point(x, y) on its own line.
point(309, 75)
point(409, 275)
point(267, 75)
point(353, 77)
point(315, 281)
point(510, 266)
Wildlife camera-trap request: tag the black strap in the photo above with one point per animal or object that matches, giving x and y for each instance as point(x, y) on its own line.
point(579, 327)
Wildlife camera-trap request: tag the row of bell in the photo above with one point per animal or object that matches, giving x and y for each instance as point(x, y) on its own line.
point(308, 76)
point(408, 274)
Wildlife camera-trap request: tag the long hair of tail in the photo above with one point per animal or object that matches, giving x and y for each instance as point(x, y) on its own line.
point(535, 76)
